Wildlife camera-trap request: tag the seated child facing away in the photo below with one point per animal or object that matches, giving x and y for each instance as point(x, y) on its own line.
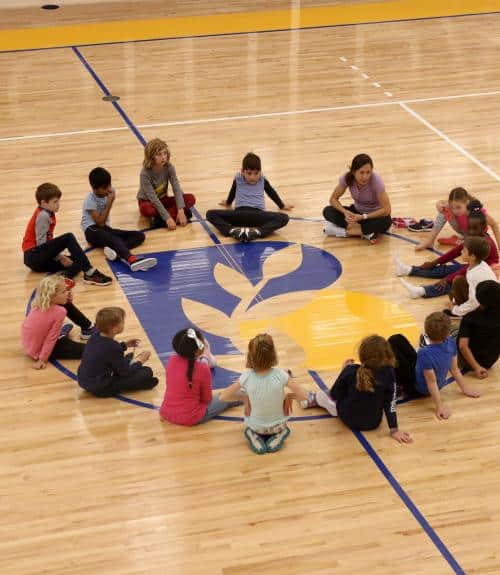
point(264, 384)
point(249, 220)
point(153, 198)
point(444, 266)
point(44, 253)
point(479, 333)
point(43, 333)
point(105, 370)
point(424, 372)
point(363, 392)
point(188, 398)
point(96, 224)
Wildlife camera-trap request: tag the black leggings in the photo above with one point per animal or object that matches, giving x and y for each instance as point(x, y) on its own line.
point(66, 348)
point(122, 241)
point(369, 226)
point(142, 378)
point(266, 222)
point(406, 358)
point(42, 258)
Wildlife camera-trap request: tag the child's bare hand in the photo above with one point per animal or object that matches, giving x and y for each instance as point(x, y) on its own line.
point(171, 225)
point(224, 204)
point(65, 261)
point(481, 372)
point(111, 197)
point(181, 218)
point(441, 284)
point(428, 265)
point(469, 392)
point(287, 207)
point(443, 413)
point(133, 342)
point(39, 364)
point(143, 356)
point(441, 205)
point(347, 362)
point(401, 436)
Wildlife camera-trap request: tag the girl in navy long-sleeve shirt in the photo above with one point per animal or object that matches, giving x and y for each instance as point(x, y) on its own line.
point(363, 392)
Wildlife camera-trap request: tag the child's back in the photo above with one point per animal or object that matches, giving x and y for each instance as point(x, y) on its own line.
point(436, 357)
point(266, 393)
point(364, 409)
point(184, 404)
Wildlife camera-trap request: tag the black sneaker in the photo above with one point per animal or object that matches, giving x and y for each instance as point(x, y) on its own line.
point(239, 234)
point(97, 279)
point(252, 234)
point(421, 226)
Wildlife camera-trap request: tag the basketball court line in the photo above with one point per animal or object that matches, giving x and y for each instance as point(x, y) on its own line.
point(240, 117)
point(229, 24)
point(429, 531)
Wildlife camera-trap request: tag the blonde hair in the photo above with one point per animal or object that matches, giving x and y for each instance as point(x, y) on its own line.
point(374, 352)
point(109, 317)
point(261, 352)
point(46, 291)
point(152, 148)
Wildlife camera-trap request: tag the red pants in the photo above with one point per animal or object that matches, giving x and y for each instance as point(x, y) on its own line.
point(148, 210)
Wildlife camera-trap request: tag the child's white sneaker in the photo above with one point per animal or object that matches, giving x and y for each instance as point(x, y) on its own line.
point(110, 254)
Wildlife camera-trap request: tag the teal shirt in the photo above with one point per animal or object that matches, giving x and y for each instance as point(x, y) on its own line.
point(266, 394)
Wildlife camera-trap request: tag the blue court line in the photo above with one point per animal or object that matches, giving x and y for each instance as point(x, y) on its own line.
point(106, 92)
point(405, 498)
point(229, 34)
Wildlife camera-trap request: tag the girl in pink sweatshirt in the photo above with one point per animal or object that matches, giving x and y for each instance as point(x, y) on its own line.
point(43, 333)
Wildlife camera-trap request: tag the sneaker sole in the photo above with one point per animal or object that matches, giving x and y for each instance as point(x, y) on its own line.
point(110, 254)
point(279, 445)
point(143, 265)
point(258, 451)
point(96, 283)
point(419, 231)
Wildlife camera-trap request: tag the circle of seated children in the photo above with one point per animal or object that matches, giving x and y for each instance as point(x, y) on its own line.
point(362, 392)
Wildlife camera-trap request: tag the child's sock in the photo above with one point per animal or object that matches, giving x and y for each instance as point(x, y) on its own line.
point(310, 401)
point(401, 268)
point(131, 259)
point(324, 400)
point(90, 272)
point(414, 291)
point(333, 230)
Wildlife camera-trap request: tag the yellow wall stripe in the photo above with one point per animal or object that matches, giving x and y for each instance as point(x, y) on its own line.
point(128, 30)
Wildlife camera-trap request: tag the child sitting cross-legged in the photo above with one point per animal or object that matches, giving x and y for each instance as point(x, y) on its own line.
point(105, 370)
point(267, 407)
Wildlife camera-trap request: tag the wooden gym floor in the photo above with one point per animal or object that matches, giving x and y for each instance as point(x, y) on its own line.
point(101, 486)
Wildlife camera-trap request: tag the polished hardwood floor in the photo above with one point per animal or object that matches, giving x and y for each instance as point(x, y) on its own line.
point(102, 486)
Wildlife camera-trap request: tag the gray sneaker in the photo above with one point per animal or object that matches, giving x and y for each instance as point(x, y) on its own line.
point(143, 264)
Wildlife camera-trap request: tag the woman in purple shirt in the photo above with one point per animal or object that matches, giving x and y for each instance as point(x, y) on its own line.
point(370, 214)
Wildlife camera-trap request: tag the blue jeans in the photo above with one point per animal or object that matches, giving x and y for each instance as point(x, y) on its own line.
point(437, 272)
point(217, 406)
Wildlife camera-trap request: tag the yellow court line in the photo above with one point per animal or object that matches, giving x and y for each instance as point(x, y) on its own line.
point(133, 30)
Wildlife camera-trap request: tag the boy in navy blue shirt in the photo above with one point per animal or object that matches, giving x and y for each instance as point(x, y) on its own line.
point(425, 372)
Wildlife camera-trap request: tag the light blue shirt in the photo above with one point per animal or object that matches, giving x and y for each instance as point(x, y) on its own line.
point(249, 195)
point(91, 203)
point(266, 394)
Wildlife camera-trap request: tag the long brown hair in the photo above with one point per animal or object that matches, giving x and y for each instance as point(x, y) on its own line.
point(374, 352)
